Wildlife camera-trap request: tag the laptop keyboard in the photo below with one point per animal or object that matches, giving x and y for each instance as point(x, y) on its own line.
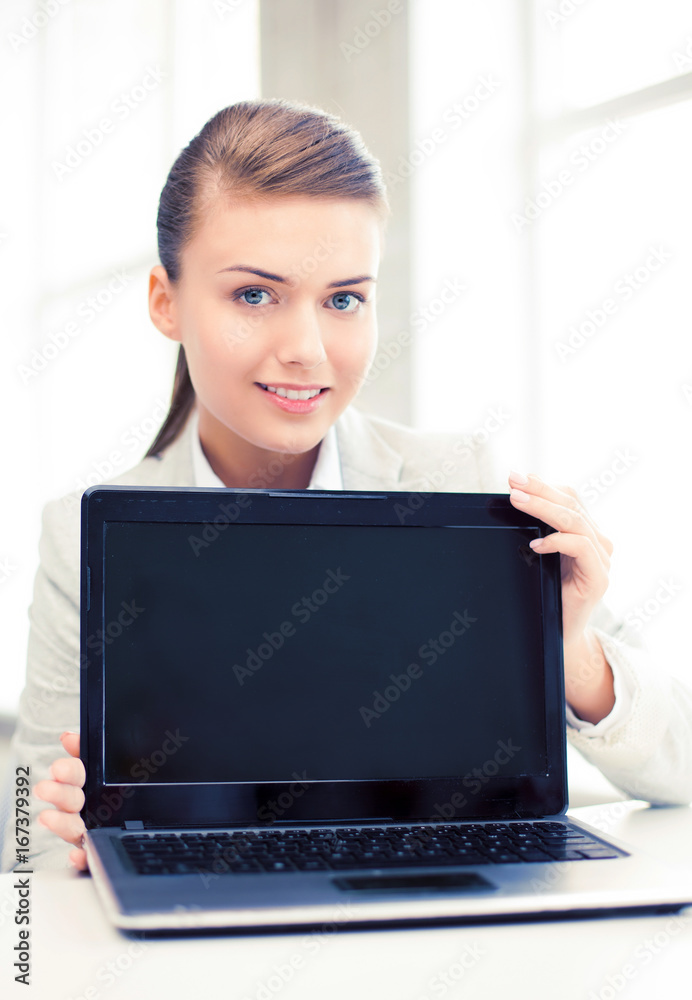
point(342, 848)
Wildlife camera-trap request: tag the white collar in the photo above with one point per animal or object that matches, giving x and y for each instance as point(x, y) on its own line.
point(325, 476)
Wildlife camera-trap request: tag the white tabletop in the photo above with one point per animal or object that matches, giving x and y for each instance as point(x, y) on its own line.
point(77, 955)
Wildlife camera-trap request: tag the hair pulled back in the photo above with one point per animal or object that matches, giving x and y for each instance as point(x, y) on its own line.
point(255, 149)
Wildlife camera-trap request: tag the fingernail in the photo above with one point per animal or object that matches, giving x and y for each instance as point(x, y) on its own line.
point(519, 495)
point(535, 543)
point(68, 732)
point(518, 477)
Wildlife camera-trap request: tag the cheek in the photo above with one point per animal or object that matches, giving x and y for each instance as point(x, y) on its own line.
point(220, 341)
point(355, 350)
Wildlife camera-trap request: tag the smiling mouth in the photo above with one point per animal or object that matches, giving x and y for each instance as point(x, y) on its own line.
point(293, 393)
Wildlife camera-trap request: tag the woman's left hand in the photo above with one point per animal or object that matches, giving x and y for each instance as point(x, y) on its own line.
point(584, 562)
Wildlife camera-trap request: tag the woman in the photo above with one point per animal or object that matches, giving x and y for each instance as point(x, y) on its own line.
point(270, 235)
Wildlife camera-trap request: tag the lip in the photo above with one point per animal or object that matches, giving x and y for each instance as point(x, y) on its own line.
point(298, 387)
point(293, 405)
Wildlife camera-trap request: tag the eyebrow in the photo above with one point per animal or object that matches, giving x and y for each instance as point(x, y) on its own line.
point(268, 276)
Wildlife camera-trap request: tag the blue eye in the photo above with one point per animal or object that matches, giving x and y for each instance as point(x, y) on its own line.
point(253, 296)
point(346, 301)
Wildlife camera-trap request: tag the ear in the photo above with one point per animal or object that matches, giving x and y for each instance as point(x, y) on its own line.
point(162, 303)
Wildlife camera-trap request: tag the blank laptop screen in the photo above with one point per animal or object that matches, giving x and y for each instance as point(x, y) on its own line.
point(331, 652)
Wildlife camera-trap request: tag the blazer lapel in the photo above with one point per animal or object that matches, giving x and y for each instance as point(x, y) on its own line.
point(175, 463)
point(367, 461)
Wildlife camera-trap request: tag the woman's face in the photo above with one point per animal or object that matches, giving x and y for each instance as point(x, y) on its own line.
point(277, 295)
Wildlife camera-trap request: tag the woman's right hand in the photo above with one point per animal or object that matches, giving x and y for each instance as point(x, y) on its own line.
point(65, 793)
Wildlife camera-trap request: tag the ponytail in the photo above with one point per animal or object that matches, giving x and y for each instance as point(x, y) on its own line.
point(182, 402)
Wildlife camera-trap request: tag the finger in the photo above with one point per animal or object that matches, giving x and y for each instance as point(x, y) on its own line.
point(568, 520)
point(603, 539)
point(79, 859)
point(565, 497)
point(67, 798)
point(69, 770)
point(70, 742)
point(546, 504)
point(67, 826)
point(588, 564)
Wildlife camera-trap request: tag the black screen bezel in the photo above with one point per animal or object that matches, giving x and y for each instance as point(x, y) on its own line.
point(227, 804)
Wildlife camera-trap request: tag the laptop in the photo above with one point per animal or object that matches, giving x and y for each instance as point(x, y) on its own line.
point(302, 708)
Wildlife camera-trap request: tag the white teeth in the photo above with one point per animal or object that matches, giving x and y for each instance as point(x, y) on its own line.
point(293, 393)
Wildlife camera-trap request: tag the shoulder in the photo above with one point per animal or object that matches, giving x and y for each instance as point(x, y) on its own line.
point(433, 460)
point(61, 517)
point(413, 439)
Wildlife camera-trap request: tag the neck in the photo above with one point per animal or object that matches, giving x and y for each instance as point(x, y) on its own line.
point(241, 465)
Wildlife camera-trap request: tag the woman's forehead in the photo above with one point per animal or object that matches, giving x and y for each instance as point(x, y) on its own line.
point(286, 231)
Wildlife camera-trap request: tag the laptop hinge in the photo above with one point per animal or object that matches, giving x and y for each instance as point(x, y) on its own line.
point(133, 824)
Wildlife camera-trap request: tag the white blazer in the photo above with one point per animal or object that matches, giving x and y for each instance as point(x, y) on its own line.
point(649, 755)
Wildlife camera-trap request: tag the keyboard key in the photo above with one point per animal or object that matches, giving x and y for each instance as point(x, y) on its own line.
point(343, 848)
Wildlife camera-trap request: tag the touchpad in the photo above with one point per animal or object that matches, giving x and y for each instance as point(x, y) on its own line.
point(425, 883)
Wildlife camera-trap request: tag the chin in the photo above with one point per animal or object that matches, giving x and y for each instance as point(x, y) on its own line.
point(289, 443)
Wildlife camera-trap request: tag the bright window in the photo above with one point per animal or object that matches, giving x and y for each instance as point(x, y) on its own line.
point(570, 225)
point(89, 378)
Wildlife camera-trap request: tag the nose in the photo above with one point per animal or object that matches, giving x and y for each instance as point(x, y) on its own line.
point(299, 338)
